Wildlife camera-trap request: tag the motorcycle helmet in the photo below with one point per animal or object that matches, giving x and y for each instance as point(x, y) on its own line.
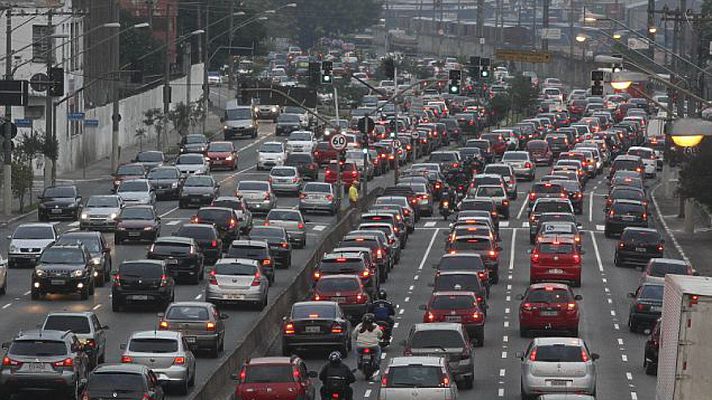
point(382, 295)
point(335, 357)
point(368, 318)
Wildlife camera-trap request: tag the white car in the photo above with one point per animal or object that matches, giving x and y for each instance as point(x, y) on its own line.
point(100, 212)
point(301, 142)
point(418, 377)
point(650, 160)
point(238, 280)
point(214, 78)
point(271, 154)
point(28, 241)
point(192, 164)
point(136, 191)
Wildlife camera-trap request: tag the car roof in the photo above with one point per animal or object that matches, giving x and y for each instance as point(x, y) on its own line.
point(312, 303)
point(237, 260)
point(252, 243)
point(627, 201)
point(640, 229)
point(437, 326)
point(270, 360)
point(90, 234)
point(668, 261)
point(403, 361)
point(159, 263)
point(122, 368)
point(331, 256)
point(452, 293)
point(556, 239)
point(40, 224)
point(558, 340)
point(156, 334)
point(544, 285)
point(72, 313)
point(49, 334)
point(190, 304)
point(175, 239)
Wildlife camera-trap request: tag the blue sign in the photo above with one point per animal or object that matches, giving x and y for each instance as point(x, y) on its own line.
point(77, 116)
point(93, 123)
point(23, 123)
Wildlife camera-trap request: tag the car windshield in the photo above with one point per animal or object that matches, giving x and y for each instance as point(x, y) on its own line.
point(555, 248)
point(220, 147)
point(149, 156)
point(471, 244)
point(302, 311)
point(75, 323)
point(37, 348)
point(199, 181)
point(62, 255)
point(153, 345)
point(116, 382)
point(268, 374)
point(436, 338)
point(660, 269)
point(92, 243)
point(128, 186)
point(461, 263)
point(452, 302)
point(558, 353)
point(164, 173)
point(196, 232)
point(317, 188)
point(250, 252)
point(193, 139)
point(490, 191)
point(143, 213)
point(283, 172)
point(515, 157)
point(457, 282)
point(238, 114)
point(170, 248)
point(103, 202)
point(337, 285)
point(188, 159)
point(272, 148)
point(266, 232)
point(283, 215)
point(235, 269)
point(414, 376)
point(548, 295)
point(253, 186)
point(300, 136)
point(189, 313)
point(60, 192)
point(130, 170)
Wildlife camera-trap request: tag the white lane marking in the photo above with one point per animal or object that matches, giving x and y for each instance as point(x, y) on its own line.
point(96, 307)
point(590, 207)
point(509, 298)
point(407, 299)
point(6, 305)
point(600, 228)
point(629, 376)
point(427, 251)
point(411, 287)
point(525, 224)
point(613, 313)
point(402, 310)
point(367, 393)
point(395, 325)
point(509, 277)
point(430, 224)
point(616, 327)
point(73, 224)
point(502, 372)
point(27, 293)
point(624, 358)
point(506, 310)
point(598, 254)
point(504, 224)
point(511, 251)
point(605, 289)
point(319, 228)
point(506, 324)
point(383, 356)
point(604, 280)
point(505, 339)
point(240, 172)
point(509, 287)
point(633, 396)
point(168, 212)
point(415, 278)
point(521, 210)
point(665, 226)
point(610, 301)
point(500, 392)
point(176, 222)
point(198, 296)
point(620, 341)
point(504, 354)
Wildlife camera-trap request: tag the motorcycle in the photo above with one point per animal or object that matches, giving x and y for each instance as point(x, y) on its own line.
point(367, 361)
point(445, 208)
point(386, 328)
point(334, 388)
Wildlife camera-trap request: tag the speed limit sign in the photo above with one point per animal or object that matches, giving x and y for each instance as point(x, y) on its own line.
point(415, 134)
point(338, 142)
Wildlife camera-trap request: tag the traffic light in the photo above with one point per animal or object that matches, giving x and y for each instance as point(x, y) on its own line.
point(596, 83)
point(56, 82)
point(455, 75)
point(326, 72)
point(484, 68)
point(314, 73)
point(389, 68)
point(454, 87)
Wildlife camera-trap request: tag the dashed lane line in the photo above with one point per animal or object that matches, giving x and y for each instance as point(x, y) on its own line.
point(521, 210)
point(319, 228)
point(665, 225)
point(6, 305)
point(511, 251)
point(96, 307)
point(430, 224)
point(176, 222)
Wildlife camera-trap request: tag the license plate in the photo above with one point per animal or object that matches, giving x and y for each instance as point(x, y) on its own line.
point(172, 261)
point(234, 296)
point(549, 313)
point(38, 366)
point(338, 299)
point(194, 200)
point(640, 249)
point(57, 281)
point(656, 309)
point(56, 211)
point(190, 339)
point(366, 357)
point(139, 297)
point(455, 318)
point(134, 234)
point(557, 383)
point(556, 271)
point(312, 329)
point(628, 217)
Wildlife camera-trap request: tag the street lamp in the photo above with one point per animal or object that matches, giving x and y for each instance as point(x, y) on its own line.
point(621, 85)
point(689, 132)
point(581, 38)
point(652, 29)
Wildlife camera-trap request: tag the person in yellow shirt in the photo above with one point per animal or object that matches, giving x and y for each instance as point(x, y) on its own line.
point(353, 193)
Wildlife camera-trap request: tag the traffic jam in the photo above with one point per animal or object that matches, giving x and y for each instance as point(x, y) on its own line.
point(491, 259)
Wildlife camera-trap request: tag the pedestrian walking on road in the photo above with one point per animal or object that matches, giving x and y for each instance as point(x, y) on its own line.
point(353, 193)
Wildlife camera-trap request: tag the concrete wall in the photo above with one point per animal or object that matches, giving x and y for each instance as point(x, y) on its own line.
point(95, 143)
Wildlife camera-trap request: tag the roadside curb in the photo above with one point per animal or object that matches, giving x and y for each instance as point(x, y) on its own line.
point(17, 218)
point(665, 225)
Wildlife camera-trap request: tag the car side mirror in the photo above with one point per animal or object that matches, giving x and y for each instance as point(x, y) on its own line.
point(224, 316)
point(578, 297)
point(422, 307)
point(5, 345)
point(519, 297)
point(595, 356)
point(235, 377)
point(122, 346)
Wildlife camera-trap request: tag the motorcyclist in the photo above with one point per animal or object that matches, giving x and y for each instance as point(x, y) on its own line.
point(450, 195)
point(456, 178)
point(368, 336)
point(382, 309)
point(334, 368)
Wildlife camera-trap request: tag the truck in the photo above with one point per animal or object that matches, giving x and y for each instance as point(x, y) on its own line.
point(685, 356)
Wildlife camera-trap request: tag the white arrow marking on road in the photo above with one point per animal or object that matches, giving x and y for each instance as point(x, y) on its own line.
point(171, 223)
point(319, 228)
point(430, 224)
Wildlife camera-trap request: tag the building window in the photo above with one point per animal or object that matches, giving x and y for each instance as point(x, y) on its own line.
point(41, 43)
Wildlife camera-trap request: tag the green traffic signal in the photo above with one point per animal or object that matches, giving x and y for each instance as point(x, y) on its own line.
point(484, 73)
point(326, 79)
point(454, 88)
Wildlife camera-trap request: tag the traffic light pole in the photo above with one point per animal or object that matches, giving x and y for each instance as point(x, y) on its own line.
point(49, 108)
point(395, 134)
point(7, 167)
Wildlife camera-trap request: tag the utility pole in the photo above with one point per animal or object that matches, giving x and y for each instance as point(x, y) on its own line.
point(395, 133)
point(7, 167)
point(49, 105)
point(115, 95)
point(188, 68)
point(206, 87)
point(481, 25)
point(230, 63)
point(166, 79)
point(545, 26)
point(572, 61)
point(650, 27)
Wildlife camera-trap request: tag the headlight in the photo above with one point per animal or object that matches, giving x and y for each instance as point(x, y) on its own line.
point(251, 125)
point(174, 185)
point(121, 228)
point(96, 260)
point(78, 273)
point(274, 109)
point(225, 127)
point(40, 272)
point(85, 215)
point(113, 216)
point(257, 109)
point(13, 248)
point(148, 228)
point(228, 158)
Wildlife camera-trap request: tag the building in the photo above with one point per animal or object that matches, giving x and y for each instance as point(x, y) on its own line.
point(162, 16)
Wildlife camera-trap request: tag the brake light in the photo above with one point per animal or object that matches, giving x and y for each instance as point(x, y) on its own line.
point(256, 280)
point(210, 326)
point(430, 317)
point(660, 247)
point(645, 216)
point(379, 253)
point(535, 257)
point(300, 225)
point(337, 329)
point(527, 307)
point(179, 361)
point(233, 224)
point(211, 278)
point(126, 359)
point(527, 165)
point(532, 355)
point(9, 362)
point(354, 173)
point(571, 306)
point(365, 273)
point(532, 196)
point(117, 280)
point(285, 245)
point(214, 243)
point(384, 380)
point(163, 325)
point(267, 196)
point(694, 299)
point(266, 223)
point(584, 355)
point(317, 275)
point(577, 258)
point(611, 213)
point(445, 382)
point(329, 197)
point(493, 254)
point(289, 329)
point(482, 275)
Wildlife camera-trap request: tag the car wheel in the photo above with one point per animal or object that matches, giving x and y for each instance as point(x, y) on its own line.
point(606, 232)
point(524, 394)
point(467, 383)
point(3, 289)
point(480, 338)
point(195, 280)
point(632, 326)
point(191, 382)
point(182, 388)
point(262, 304)
point(617, 261)
point(35, 295)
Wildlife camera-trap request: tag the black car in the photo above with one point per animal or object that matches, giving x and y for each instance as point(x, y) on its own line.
point(63, 269)
point(166, 182)
point(131, 381)
point(240, 206)
point(624, 193)
point(652, 348)
point(257, 250)
point(193, 143)
point(150, 159)
point(305, 164)
point(287, 123)
point(207, 237)
point(316, 325)
point(575, 193)
point(98, 248)
point(623, 214)
point(378, 248)
point(646, 307)
point(183, 257)
point(347, 263)
point(137, 223)
point(142, 282)
point(59, 202)
point(225, 220)
point(198, 190)
point(638, 246)
point(278, 241)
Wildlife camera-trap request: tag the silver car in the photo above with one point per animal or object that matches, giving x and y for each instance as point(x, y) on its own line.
point(417, 377)
point(257, 194)
point(318, 196)
point(235, 280)
point(507, 173)
point(285, 179)
point(558, 365)
point(292, 221)
point(100, 212)
point(27, 243)
point(136, 191)
point(192, 164)
point(521, 163)
point(496, 193)
point(164, 352)
point(445, 339)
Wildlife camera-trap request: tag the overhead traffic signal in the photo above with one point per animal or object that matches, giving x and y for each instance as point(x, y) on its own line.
point(326, 72)
point(596, 83)
point(455, 75)
point(389, 68)
point(314, 72)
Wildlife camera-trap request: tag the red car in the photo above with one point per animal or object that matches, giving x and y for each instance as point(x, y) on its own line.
point(222, 155)
point(349, 174)
point(499, 145)
point(458, 307)
point(267, 378)
point(549, 307)
point(540, 152)
point(556, 259)
point(127, 172)
point(324, 154)
point(347, 290)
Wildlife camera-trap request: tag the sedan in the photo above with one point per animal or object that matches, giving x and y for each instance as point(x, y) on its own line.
point(638, 245)
point(137, 223)
point(457, 307)
point(222, 155)
point(258, 195)
point(496, 193)
point(166, 182)
point(549, 307)
point(285, 179)
point(127, 172)
point(646, 306)
point(347, 290)
point(556, 365)
point(165, 353)
point(59, 202)
point(318, 196)
point(136, 191)
point(237, 280)
point(192, 164)
point(316, 325)
point(198, 190)
point(100, 212)
point(201, 323)
point(278, 241)
point(522, 164)
point(292, 221)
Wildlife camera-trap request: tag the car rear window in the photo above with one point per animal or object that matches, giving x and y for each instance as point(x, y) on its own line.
point(317, 188)
point(313, 311)
point(546, 188)
point(552, 206)
point(490, 191)
point(629, 165)
point(660, 269)
point(190, 313)
point(452, 302)
point(283, 172)
point(130, 170)
point(498, 169)
point(440, 157)
point(337, 285)
point(652, 292)
point(211, 214)
point(552, 248)
point(457, 282)
point(268, 374)
point(153, 345)
point(558, 353)
point(341, 264)
point(266, 232)
point(166, 248)
point(414, 376)
point(151, 271)
point(235, 269)
point(196, 232)
point(37, 348)
point(247, 252)
point(116, 382)
point(199, 181)
point(461, 263)
point(515, 156)
point(628, 208)
point(627, 194)
point(638, 236)
point(548, 296)
point(436, 338)
point(280, 215)
point(471, 244)
point(257, 186)
point(299, 158)
point(74, 323)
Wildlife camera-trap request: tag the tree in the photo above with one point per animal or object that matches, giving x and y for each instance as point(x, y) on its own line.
point(28, 147)
point(184, 116)
point(134, 44)
point(523, 95)
point(140, 135)
point(696, 175)
point(153, 118)
point(500, 105)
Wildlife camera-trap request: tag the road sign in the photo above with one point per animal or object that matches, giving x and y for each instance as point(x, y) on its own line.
point(551, 33)
point(92, 123)
point(39, 82)
point(415, 134)
point(338, 142)
point(536, 57)
point(366, 125)
point(76, 116)
point(23, 123)
point(14, 93)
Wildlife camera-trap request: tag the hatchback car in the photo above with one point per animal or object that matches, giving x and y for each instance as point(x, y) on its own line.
point(207, 237)
point(128, 172)
point(150, 159)
point(545, 190)
point(136, 191)
point(305, 165)
point(638, 245)
point(466, 262)
point(198, 190)
point(225, 220)
point(646, 306)
point(184, 258)
point(166, 182)
point(496, 193)
point(257, 250)
point(521, 162)
point(134, 381)
point(100, 212)
point(459, 307)
point(86, 326)
point(316, 325)
point(292, 221)
point(485, 246)
point(543, 151)
point(463, 281)
point(556, 259)
point(258, 195)
point(341, 263)
point(623, 214)
point(59, 202)
point(201, 323)
point(652, 348)
point(137, 223)
point(239, 205)
point(190, 164)
point(541, 206)
point(507, 172)
point(278, 240)
point(271, 154)
point(166, 353)
point(624, 193)
point(557, 364)
point(285, 179)
point(237, 280)
point(222, 155)
point(549, 307)
point(65, 269)
point(423, 377)
point(267, 378)
point(657, 268)
point(193, 143)
point(347, 290)
point(142, 282)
